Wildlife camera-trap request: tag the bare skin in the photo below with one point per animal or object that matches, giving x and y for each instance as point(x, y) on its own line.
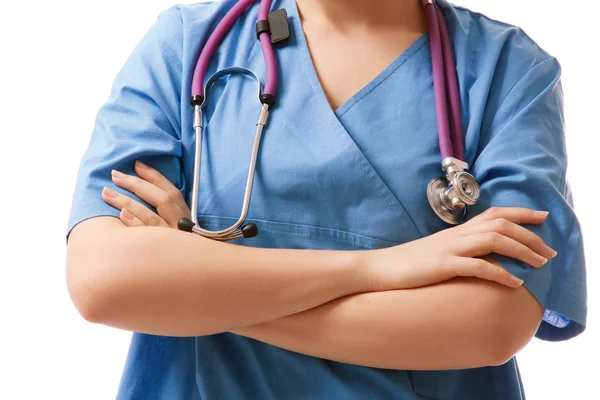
point(434, 321)
point(400, 307)
point(351, 42)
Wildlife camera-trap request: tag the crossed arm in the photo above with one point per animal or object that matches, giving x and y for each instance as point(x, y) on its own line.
point(459, 324)
point(387, 308)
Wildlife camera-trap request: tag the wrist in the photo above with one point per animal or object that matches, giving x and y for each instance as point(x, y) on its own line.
point(383, 269)
point(359, 272)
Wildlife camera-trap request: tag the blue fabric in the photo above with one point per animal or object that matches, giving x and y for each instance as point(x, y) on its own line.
point(354, 178)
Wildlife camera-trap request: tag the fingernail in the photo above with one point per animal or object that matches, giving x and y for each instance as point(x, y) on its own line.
point(541, 260)
point(542, 213)
point(117, 174)
point(127, 215)
point(110, 193)
point(516, 281)
point(550, 251)
point(141, 165)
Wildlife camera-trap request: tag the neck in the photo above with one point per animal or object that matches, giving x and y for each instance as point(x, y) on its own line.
point(342, 14)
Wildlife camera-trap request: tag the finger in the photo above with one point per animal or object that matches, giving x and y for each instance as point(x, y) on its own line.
point(514, 231)
point(491, 242)
point(482, 269)
point(129, 219)
point(165, 205)
point(120, 201)
point(513, 214)
point(144, 190)
point(156, 178)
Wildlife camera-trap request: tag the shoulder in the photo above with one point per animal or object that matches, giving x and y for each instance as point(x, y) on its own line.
point(201, 15)
point(173, 25)
point(492, 53)
point(483, 35)
point(496, 61)
point(201, 11)
point(185, 26)
point(178, 30)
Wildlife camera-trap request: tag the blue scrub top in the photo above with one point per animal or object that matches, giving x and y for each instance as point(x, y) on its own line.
point(353, 178)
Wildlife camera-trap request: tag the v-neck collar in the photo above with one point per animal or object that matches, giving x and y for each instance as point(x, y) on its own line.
point(311, 72)
point(325, 127)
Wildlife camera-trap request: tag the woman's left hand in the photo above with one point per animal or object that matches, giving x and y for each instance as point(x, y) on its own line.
point(152, 187)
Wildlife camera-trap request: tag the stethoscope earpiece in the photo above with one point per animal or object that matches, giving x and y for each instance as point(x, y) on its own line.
point(249, 231)
point(186, 225)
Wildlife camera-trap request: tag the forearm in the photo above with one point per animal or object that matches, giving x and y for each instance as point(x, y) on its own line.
point(167, 282)
point(464, 323)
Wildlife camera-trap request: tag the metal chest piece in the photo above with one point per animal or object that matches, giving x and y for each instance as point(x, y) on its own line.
point(449, 196)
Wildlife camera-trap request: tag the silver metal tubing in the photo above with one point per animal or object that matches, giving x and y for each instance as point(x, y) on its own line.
point(235, 235)
point(197, 161)
point(249, 183)
point(232, 232)
point(197, 117)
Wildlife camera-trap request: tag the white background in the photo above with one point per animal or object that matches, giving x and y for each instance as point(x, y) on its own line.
point(57, 63)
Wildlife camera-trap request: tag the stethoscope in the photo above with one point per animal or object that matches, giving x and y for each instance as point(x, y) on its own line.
point(448, 195)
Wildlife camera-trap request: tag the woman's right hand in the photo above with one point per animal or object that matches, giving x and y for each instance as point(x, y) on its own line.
point(460, 252)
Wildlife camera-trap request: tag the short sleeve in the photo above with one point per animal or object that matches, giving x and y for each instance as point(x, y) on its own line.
point(522, 162)
point(140, 120)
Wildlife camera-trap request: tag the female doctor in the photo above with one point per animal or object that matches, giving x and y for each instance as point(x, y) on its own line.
point(353, 288)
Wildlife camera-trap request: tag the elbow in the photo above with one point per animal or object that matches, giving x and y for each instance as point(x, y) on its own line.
point(89, 301)
point(510, 339)
point(88, 297)
point(92, 259)
point(89, 286)
point(514, 321)
point(501, 351)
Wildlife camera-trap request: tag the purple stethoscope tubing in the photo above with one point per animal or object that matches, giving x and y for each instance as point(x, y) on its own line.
point(445, 85)
point(217, 37)
point(448, 196)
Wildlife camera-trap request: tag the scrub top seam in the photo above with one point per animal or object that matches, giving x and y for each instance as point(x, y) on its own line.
point(383, 75)
point(374, 177)
point(473, 14)
point(556, 299)
point(305, 56)
point(517, 373)
point(306, 226)
point(316, 85)
point(90, 210)
point(508, 94)
point(377, 180)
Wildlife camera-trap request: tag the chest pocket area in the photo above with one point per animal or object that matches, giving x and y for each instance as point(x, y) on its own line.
point(273, 234)
point(470, 384)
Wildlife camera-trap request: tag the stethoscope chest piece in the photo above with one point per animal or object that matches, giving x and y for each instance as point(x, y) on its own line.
point(449, 196)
